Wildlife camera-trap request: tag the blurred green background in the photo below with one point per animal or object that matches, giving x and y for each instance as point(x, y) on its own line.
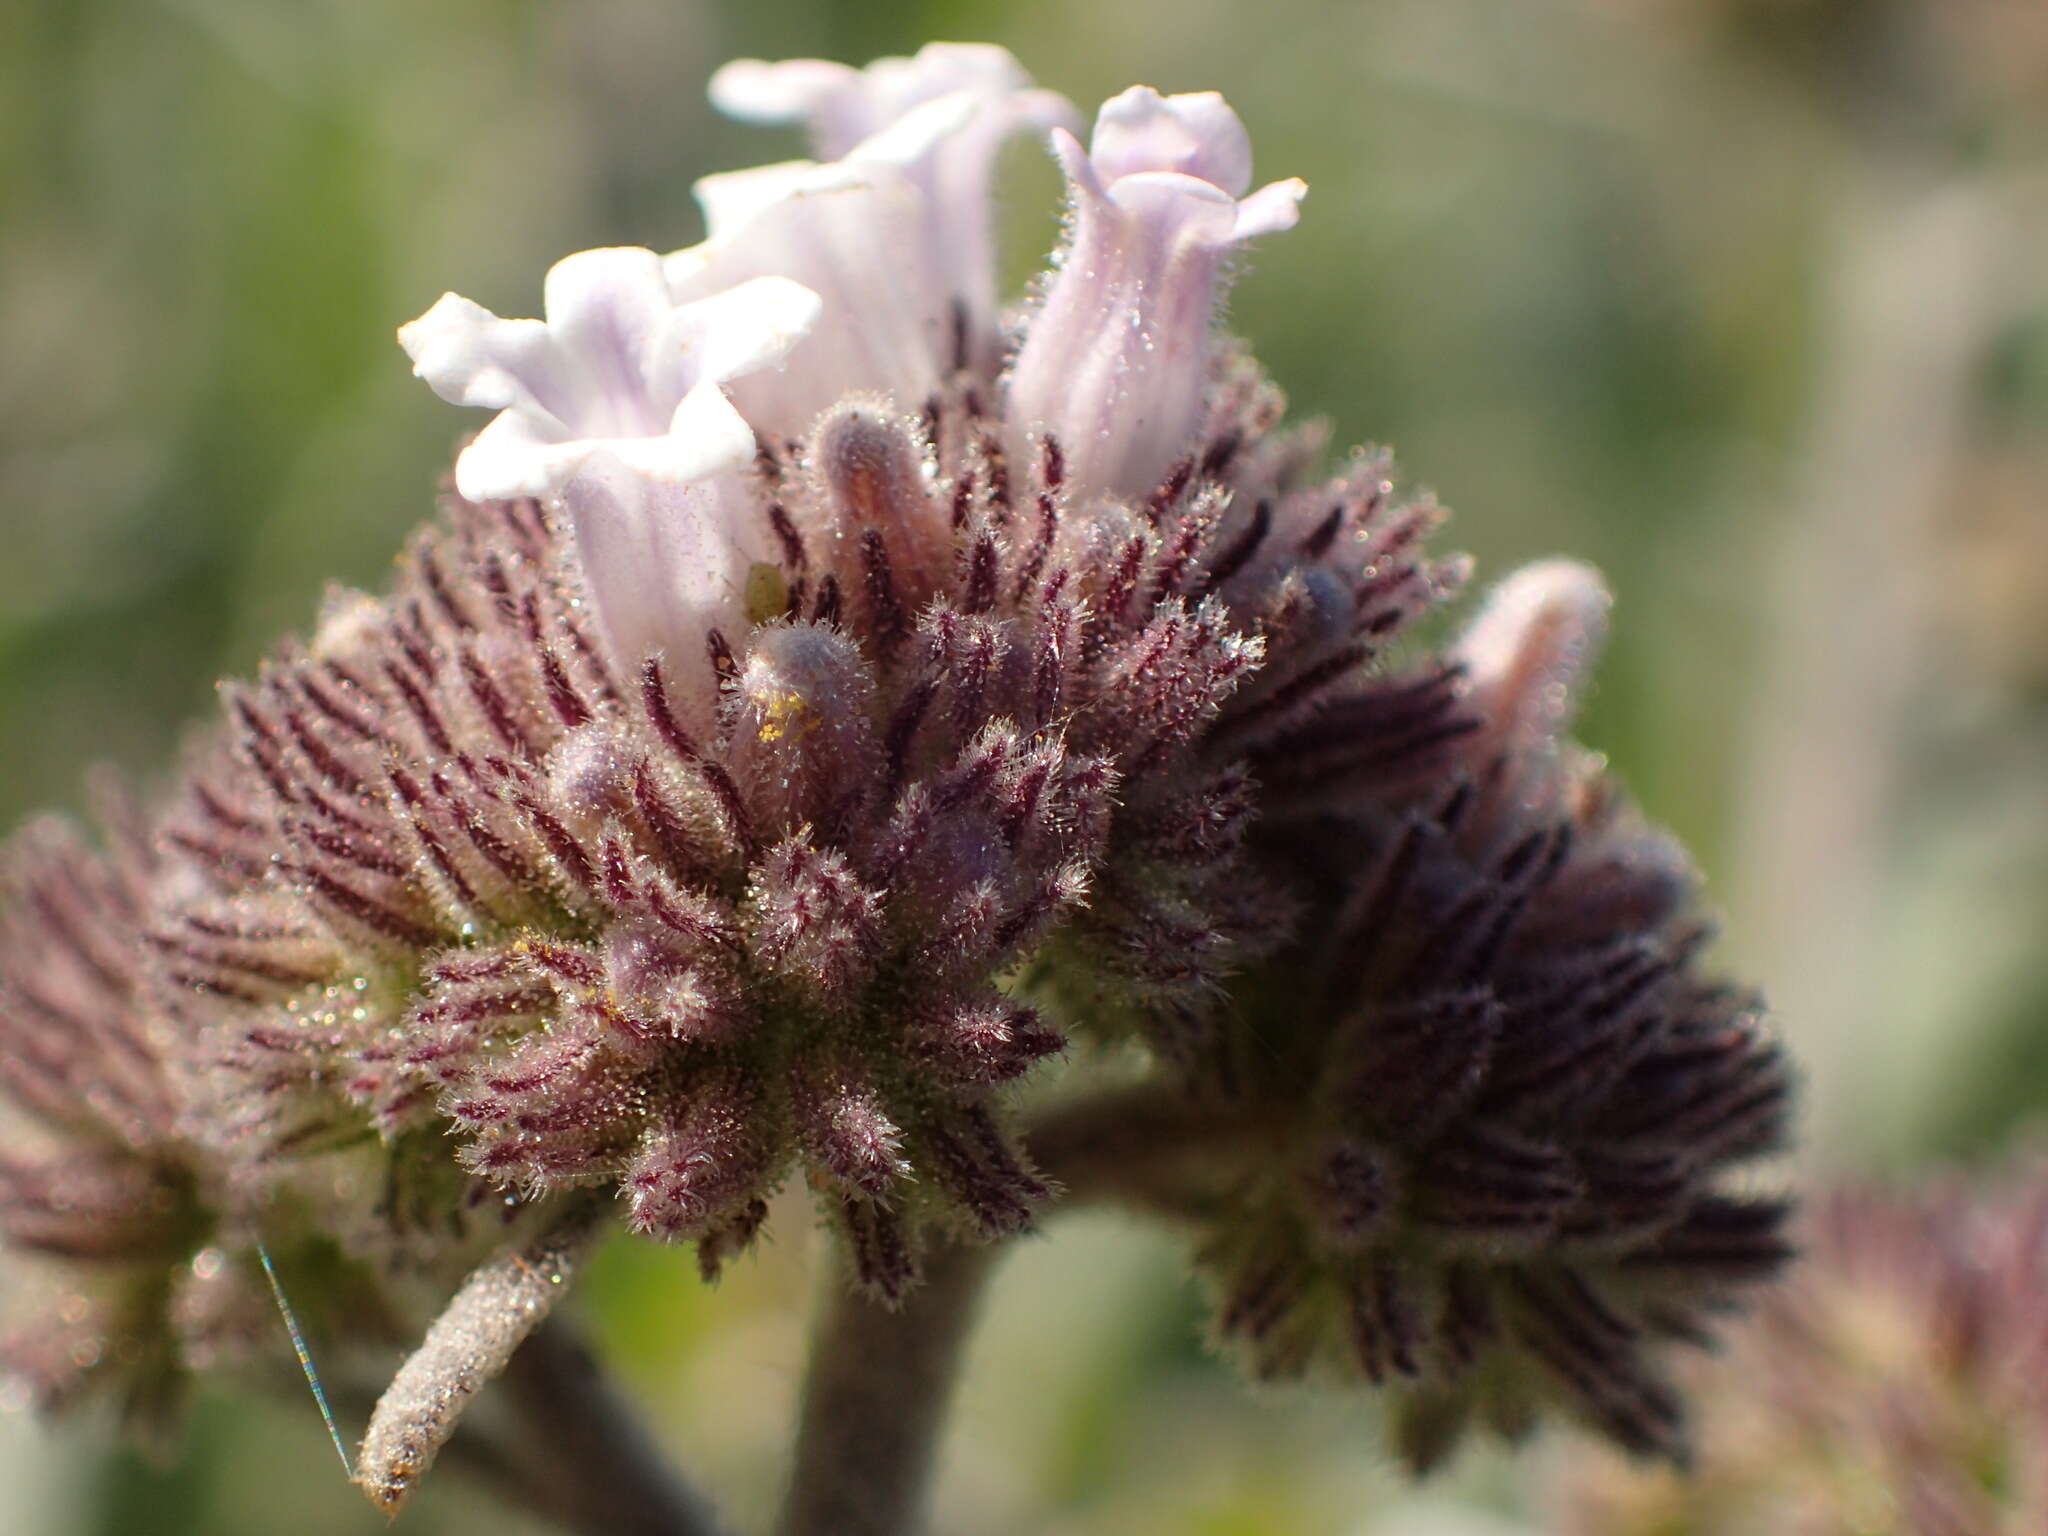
point(1743, 300)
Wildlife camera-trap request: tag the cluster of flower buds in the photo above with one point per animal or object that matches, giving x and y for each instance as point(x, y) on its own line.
point(128, 1260)
point(94, 1186)
point(1893, 1384)
point(1494, 1102)
point(826, 697)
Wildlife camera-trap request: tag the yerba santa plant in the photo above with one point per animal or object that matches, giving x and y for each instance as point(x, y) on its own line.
point(843, 734)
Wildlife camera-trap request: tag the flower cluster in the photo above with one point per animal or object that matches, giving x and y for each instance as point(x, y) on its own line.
point(96, 1184)
point(1895, 1384)
point(1494, 1133)
point(127, 1259)
point(828, 696)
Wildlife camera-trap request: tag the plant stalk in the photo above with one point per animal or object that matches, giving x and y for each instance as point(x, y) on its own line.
point(876, 1398)
point(1144, 1146)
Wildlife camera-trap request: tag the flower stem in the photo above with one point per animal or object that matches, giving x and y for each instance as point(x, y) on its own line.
point(875, 1400)
point(1146, 1146)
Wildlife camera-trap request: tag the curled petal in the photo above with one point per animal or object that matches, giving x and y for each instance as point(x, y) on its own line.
point(919, 135)
point(745, 329)
point(1196, 134)
point(515, 455)
point(705, 436)
point(1183, 214)
point(822, 94)
point(468, 356)
point(1274, 209)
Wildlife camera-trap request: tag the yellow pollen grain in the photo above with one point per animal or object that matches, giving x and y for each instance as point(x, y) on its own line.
point(785, 712)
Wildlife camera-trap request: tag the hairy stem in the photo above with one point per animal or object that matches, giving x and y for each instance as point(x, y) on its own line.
point(481, 1454)
point(600, 1472)
point(1145, 1145)
point(875, 1400)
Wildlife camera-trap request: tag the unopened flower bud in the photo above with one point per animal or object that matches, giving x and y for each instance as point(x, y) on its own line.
point(894, 542)
point(800, 726)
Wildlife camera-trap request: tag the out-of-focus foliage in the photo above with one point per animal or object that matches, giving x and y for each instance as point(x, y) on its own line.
point(1738, 299)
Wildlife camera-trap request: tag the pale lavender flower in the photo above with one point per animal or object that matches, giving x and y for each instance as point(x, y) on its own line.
point(940, 119)
point(616, 403)
point(618, 367)
point(1117, 361)
point(840, 106)
point(854, 231)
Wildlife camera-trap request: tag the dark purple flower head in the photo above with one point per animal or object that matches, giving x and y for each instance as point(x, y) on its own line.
point(470, 863)
point(1498, 1104)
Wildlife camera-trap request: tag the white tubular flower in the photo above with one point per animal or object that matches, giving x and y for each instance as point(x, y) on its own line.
point(910, 268)
point(615, 406)
point(853, 233)
point(618, 365)
point(667, 565)
point(1116, 361)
